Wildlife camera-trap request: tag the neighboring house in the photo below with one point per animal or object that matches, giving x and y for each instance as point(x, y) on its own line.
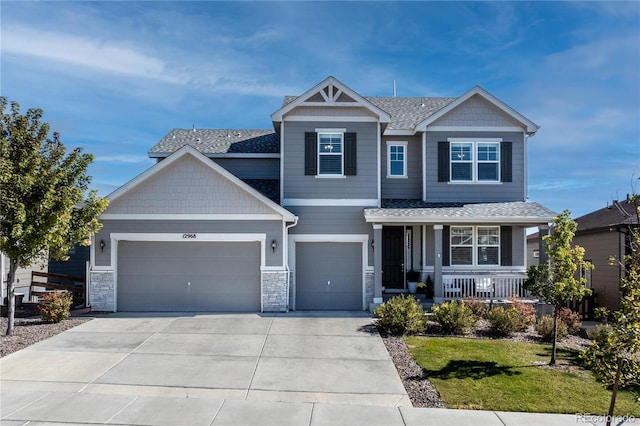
point(327, 210)
point(75, 266)
point(22, 280)
point(605, 233)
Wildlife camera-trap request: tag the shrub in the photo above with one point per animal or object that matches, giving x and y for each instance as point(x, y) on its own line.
point(454, 317)
point(54, 307)
point(545, 328)
point(571, 319)
point(477, 305)
point(504, 322)
point(400, 315)
point(527, 311)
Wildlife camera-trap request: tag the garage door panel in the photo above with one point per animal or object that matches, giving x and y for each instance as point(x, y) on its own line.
point(188, 276)
point(329, 276)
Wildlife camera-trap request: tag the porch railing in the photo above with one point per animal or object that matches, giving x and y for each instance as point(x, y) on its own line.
point(499, 286)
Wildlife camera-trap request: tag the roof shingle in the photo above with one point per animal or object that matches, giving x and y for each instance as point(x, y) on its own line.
point(219, 141)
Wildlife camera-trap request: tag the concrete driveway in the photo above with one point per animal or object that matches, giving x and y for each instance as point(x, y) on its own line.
point(202, 361)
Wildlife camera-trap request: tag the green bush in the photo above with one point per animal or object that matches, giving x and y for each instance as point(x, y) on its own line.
point(454, 317)
point(545, 328)
point(55, 307)
point(571, 319)
point(504, 322)
point(400, 315)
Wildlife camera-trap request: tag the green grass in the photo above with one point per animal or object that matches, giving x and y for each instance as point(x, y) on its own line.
point(505, 375)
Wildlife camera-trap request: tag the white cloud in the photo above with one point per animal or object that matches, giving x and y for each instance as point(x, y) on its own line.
point(126, 159)
point(100, 55)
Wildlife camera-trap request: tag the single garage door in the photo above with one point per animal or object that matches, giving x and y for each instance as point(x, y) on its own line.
point(188, 276)
point(329, 276)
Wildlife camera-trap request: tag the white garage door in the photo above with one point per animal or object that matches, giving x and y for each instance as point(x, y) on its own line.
point(188, 276)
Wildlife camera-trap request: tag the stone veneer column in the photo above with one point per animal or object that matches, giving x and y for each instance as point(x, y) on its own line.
point(102, 291)
point(377, 263)
point(274, 291)
point(437, 266)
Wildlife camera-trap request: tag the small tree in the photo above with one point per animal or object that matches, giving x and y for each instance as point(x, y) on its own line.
point(614, 356)
point(556, 281)
point(42, 212)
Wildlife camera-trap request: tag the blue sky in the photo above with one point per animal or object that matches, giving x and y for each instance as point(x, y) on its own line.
point(115, 77)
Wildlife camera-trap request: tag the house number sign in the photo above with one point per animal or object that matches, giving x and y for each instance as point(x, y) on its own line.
point(189, 236)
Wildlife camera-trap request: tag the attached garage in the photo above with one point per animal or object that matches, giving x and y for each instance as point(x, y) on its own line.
point(329, 275)
point(188, 276)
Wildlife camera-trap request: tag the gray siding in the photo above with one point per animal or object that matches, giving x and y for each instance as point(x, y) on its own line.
point(252, 168)
point(187, 186)
point(297, 185)
point(272, 228)
point(330, 220)
point(474, 192)
point(476, 111)
point(411, 186)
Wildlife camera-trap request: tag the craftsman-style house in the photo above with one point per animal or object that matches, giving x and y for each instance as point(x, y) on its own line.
point(325, 211)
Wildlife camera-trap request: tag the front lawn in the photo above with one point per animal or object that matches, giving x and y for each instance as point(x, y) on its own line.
point(505, 375)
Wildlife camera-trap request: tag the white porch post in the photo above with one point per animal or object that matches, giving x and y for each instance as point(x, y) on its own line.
point(377, 263)
point(543, 230)
point(437, 282)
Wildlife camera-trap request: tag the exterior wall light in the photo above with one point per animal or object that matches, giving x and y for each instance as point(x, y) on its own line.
point(102, 244)
point(274, 245)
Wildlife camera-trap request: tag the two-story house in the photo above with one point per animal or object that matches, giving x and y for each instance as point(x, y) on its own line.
point(326, 210)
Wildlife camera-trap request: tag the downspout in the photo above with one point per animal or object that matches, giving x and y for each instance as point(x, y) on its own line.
point(286, 258)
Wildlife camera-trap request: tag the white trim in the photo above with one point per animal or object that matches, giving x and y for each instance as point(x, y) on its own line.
point(379, 165)
point(330, 130)
point(170, 216)
point(342, 118)
point(438, 227)
point(395, 132)
point(424, 166)
point(405, 150)
point(474, 129)
point(514, 220)
point(472, 139)
point(281, 189)
point(377, 226)
point(331, 202)
point(528, 125)
point(525, 182)
point(242, 155)
point(330, 154)
point(333, 83)
point(332, 238)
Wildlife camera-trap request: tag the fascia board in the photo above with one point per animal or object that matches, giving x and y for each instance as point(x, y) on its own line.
point(278, 115)
point(530, 126)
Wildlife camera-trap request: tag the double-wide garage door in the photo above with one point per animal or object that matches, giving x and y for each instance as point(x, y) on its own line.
point(328, 276)
point(188, 276)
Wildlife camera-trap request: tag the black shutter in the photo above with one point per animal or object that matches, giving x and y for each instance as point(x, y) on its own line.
point(446, 245)
point(506, 246)
point(443, 161)
point(506, 169)
point(350, 163)
point(310, 153)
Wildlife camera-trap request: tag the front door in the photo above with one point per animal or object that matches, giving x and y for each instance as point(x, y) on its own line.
point(393, 257)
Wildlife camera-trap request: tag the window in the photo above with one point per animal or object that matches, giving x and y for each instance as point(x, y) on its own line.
point(475, 161)
point(475, 245)
point(330, 153)
point(396, 159)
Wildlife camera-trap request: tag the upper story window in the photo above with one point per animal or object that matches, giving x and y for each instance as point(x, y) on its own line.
point(478, 160)
point(475, 161)
point(475, 245)
point(330, 153)
point(396, 159)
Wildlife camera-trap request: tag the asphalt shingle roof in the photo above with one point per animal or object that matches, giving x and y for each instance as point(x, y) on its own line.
point(405, 112)
point(514, 211)
point(618, 213)
point(219, 141)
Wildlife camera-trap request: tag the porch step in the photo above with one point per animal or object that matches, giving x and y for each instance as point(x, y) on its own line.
point(422, 299)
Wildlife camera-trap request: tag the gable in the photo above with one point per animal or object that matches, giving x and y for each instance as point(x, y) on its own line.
point(327, 95)
point(476, 111)
point(188, 183)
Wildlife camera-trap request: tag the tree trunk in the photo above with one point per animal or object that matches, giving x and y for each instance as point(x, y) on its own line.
point(555, 336)
point(614, 392)
point(11, 301)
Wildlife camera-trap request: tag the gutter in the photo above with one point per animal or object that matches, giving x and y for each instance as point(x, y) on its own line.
point(286, 258)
